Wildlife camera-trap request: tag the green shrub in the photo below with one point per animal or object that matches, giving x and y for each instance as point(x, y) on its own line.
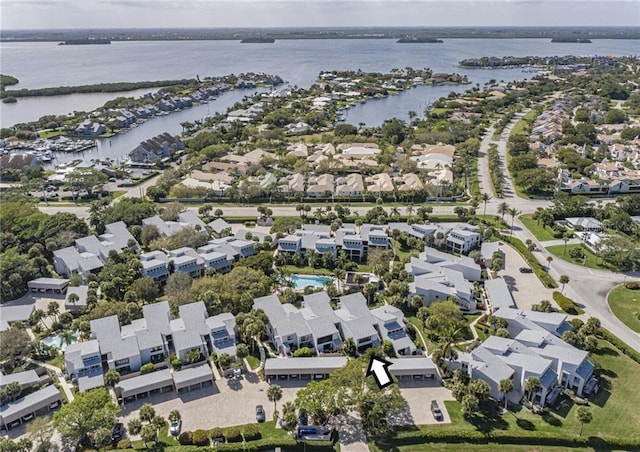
point(576, 324)
point(233, 435)
point(124, 444)
point(216, 433)
point(185, 438)
point(251, 432)
point(565, 303)
point(200, 438)
point(146, 368)
point(176, 363)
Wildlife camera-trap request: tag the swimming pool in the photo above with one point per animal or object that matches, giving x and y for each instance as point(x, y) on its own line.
point(302, 281)
point(57, 342)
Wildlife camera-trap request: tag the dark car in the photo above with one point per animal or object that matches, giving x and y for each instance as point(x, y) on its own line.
point(116, 433)
point(435, 410)
point(260, 417)
point(302, 417)
point(525, 270)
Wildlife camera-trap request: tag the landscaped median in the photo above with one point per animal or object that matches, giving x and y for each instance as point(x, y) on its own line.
point(615, 424)
point(624, 302)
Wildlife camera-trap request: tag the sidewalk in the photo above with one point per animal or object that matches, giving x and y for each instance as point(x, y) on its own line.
point(63, 383)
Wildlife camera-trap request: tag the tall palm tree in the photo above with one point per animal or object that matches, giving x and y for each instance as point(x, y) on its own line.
point(514, 213)
point(486, 197)
point(532, 385)
point(410, 209)
point(53, 309)
point(505, 387)
point(503, 208)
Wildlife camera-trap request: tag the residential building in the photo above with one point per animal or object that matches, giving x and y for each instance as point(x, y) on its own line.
point(155, 265)
point(463, 239)
point(350, 185)
point(487, 250)
point(322, 185)
point(157, 148)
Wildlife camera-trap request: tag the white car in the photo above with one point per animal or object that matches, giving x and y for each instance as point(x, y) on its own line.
point(175, 426)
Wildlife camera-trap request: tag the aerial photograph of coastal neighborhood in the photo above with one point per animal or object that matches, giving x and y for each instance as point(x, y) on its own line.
point(319, 225)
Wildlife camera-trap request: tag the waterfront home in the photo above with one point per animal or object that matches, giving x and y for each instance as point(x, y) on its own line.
point(89, 128)
point(157, 148)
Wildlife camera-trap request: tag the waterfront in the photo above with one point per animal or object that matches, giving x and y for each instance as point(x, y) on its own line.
point(42, 64)
point(119, 146)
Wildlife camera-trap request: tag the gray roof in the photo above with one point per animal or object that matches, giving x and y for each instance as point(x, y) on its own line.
point(87, 382)
point(29, 404)
point(218, 225)
point(492, 367)
point(192, 219)
point(414, 364)
point(192, 375)
point(42, 283)
point(26, 378)
point(16, 313)
point(81, 292)
point(305, 365)
point(499, 294)
point(488, 248)
point(148, 339)
point(194, 315)
point(107, 331)
point(144, 383)
point(186, 340)
point(157, 317)
point(118, 234)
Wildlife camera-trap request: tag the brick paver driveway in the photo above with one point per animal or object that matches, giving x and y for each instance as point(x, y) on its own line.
point(227, 403)
point(418, 395)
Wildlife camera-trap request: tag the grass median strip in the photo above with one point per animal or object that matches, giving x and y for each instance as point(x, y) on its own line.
point(625, 305)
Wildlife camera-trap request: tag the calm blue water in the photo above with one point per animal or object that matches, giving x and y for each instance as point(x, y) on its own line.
point(44, 64)
point(302, 281)
point(57, 342)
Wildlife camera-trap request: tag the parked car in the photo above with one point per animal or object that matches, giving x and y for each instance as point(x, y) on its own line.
point(116, 433)
point(525, 270)
point(28, 417)
point(435, 410)
point(302, 417)
point(175, 426)
point(260, 416)
point(54, 405)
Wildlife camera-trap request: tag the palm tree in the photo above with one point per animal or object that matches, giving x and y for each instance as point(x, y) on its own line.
point(274, 393)
point(514, 213)
point(486, 197)
point(395, 212)
point(66, 337)
point(564, 279)
point(549, 259)
point(174, 415)
point(503, 208)
point(532, 385)
point(73, 298)
point(410, 209)
point(505, 387)
point(111, 378)
point(565, 239)
point(584, 416)
point(53, 309)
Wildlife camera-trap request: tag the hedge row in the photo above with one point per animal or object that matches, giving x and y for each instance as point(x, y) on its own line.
point(254, 446)
point(537, 268)
point(566, 303)
point(528, 438)
point(624, 348)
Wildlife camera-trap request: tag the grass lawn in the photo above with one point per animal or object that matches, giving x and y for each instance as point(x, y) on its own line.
point(57, 361)
point(457, 447)
point(51, 133)
point(625, 305)
point(254, 362)
point(614, 409)
point(540, 232)
point(305, 270)
point(117, 193)
point(591, 260)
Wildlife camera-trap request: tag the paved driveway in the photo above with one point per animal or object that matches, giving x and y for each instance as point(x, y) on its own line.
point(418, 395)
point(227, 403)
point(526, 288)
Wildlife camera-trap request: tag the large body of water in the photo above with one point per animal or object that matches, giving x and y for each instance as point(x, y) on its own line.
point(45, 64)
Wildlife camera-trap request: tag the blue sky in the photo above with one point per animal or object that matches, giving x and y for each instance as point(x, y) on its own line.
point(33, 14)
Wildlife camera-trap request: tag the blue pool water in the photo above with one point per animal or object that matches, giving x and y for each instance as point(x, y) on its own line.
point(57, 342)
point(302, 281)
